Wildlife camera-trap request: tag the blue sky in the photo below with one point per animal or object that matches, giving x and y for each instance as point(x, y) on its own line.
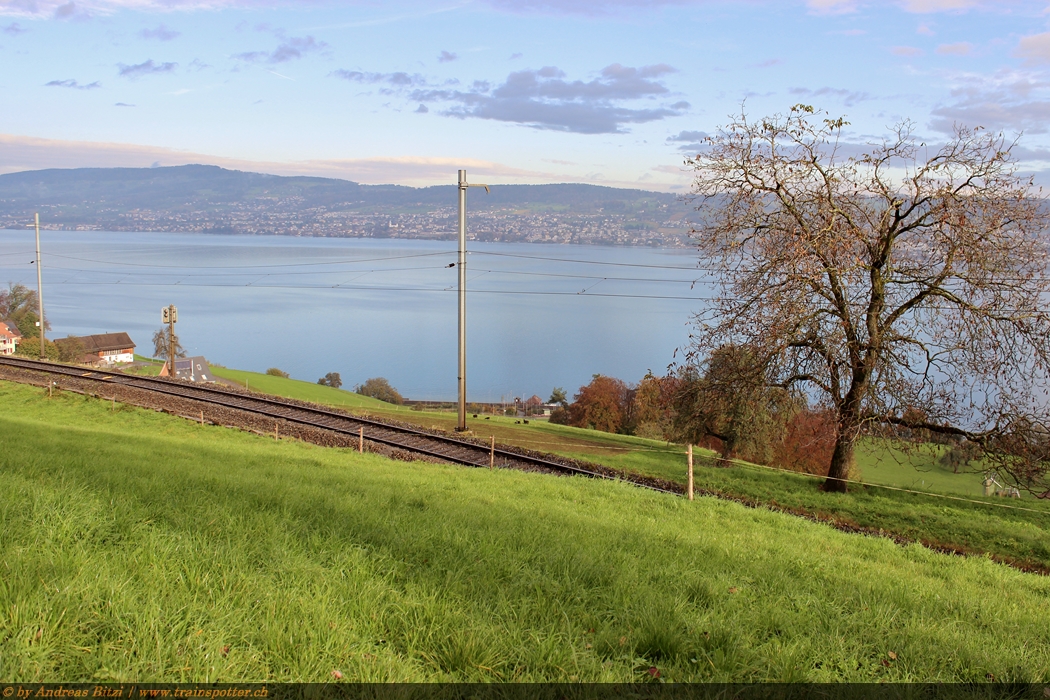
point(602, 91)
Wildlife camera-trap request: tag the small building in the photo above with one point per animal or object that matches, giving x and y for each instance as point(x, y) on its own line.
point(194, 369)
point(105, 348)
point(9, 338)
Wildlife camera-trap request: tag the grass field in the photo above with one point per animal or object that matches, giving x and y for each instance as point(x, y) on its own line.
point(992, 526)
point(304, 391)
point(137, 546)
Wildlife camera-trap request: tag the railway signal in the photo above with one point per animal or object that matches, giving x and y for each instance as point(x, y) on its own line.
point(169, 315)
point(461, 424)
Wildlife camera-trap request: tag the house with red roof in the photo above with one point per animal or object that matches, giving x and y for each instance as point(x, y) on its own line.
point(104, 348)
point(9, 338)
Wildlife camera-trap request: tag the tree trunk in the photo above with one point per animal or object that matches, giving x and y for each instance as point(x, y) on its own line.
point(841, 462)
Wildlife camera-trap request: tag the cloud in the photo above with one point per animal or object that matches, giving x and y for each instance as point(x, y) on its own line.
point(1005, 101)
point(832, 7)
point(73, 84)
point(963, 48)
point(82, 8)
point(924, 29)
point(906, 51)
point(689, 141)
point(445, 57)
point(65, 11)
point(19, 153)
point(922, 7)
point(122, 104)
point(768, 63)
point(544, 99)
point(595, 8)
point(422, 109)
point(161, 33)
point(14, 29)
point(395, 81)
point(931, 6)
point(145, 68)
point(1034, 49)
point(847, 97)
point(515, 56)
point(290, 49)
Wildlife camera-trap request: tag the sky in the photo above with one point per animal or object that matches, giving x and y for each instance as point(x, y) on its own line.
point(614, 92)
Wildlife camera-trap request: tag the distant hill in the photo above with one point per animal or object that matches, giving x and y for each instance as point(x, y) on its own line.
point(196, 185)
point(207, 198)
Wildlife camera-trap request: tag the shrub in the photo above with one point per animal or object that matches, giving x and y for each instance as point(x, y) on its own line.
point(808, 442)
point(331, 379)
point(559, 416)
point(379, 388)
point(274, 372)
point(30, 347)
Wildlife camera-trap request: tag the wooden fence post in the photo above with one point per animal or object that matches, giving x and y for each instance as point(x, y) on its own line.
point(690, 485)
point(361, 439)
point(275, 430)
point(492, 453)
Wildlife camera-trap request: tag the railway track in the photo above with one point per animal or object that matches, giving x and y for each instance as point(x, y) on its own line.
point(312, 418)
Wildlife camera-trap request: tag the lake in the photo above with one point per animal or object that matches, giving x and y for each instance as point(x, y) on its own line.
point(538, 316)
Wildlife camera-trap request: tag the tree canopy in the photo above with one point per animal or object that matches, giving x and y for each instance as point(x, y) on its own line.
point(380, 388)
point(331, 379)
point(898, 283)
point(18, 304)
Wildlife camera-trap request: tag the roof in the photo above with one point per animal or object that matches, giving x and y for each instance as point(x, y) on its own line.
point(195, 369)
point(8, 328)
point(101, 342)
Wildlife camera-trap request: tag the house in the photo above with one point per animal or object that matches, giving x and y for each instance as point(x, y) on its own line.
point(9, 338)
point(106, 348)
point(195, 369)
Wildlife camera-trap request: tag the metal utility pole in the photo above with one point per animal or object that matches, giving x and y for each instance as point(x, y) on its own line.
point(39, 289)
point(461, 425)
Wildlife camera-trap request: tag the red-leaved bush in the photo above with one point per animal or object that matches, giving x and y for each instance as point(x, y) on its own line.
point(808, 443)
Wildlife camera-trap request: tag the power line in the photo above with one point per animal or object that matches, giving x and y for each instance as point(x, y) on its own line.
point(384, 289)
point(246, 267)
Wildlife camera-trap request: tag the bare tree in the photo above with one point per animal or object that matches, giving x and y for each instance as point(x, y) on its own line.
point(160, 344)
point(899, 286)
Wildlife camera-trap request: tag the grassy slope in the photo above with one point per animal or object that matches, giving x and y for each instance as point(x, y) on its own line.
point(138, 546)
point(304, 391)
point(1015, 534)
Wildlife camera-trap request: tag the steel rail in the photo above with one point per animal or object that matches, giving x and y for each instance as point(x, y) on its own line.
point(227, 399)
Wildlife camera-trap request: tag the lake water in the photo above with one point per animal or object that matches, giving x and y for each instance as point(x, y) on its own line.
point(538, 316)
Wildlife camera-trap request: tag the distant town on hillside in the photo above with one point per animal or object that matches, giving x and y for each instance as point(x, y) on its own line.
point(209, 199)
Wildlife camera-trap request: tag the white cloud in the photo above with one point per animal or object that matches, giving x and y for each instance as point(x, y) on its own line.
point(962, 48)
point(930, 6)
point(1008, 100)
point(1034, 48)
point(51, 8)
point(906, 51)
point(20, 153)
point(832, 7)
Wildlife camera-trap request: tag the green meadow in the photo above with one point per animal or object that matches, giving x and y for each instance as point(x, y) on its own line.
point(137, 546)
point(948, 510)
